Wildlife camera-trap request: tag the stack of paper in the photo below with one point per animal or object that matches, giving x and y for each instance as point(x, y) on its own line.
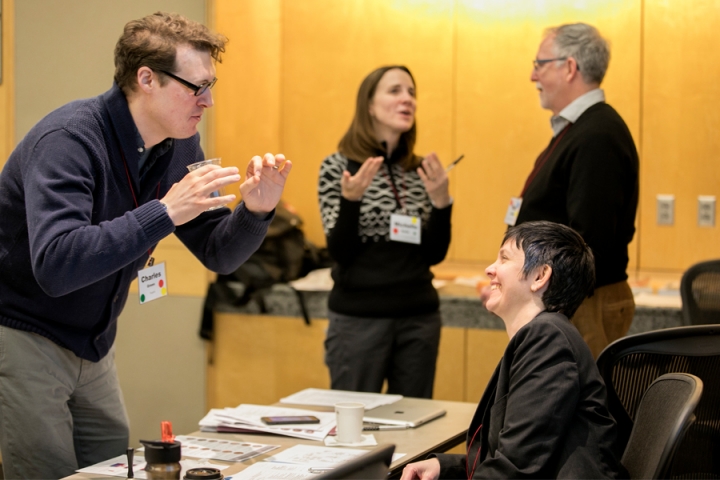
point(246, 418)
point(328, 398)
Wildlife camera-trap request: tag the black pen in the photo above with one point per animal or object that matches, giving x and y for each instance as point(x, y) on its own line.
point(130, 452)
point(452, 165)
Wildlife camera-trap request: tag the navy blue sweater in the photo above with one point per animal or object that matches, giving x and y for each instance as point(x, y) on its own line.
point(71, 236)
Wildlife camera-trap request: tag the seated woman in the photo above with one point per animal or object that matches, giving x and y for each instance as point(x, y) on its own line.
point(544, 413)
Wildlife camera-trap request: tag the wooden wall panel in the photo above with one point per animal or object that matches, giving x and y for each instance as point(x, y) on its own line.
point(260, 359)
point(485, 348)
point(450, 368)
point(472, 63)
point(7, 92)
point(246, 117)
point(680, 129)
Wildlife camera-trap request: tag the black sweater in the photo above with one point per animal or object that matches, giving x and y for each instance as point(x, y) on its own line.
point(376, 277)
point(590, 183)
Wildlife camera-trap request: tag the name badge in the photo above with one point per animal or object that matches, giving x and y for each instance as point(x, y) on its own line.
point(405, 228)
point(152, 283)
point(512, 211)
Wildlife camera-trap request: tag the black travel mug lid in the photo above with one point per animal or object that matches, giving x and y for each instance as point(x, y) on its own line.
point(203, 473)
point(161, 452)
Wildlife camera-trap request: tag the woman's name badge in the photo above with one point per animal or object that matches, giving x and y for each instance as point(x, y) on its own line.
point(404, 228)
point(152, 283)
point(512, 211)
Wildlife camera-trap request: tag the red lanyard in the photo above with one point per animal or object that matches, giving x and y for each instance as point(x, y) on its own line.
point(392, 185)
point(151, 260)
point(543, 158)
point(467, 455)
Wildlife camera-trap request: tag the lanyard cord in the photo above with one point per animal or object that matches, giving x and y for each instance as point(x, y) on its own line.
point(391, 179)
point(542, 159)
point(151, 260)
point(467, 456)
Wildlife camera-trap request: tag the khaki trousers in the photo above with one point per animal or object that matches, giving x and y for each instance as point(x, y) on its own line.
point(606, 316)
point(58, 412)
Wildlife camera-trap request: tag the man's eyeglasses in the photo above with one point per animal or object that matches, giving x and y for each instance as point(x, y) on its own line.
point(198, 89)
point(537, 63)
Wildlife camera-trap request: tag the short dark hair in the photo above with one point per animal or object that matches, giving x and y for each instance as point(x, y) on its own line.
point(564, 250)
point(359, 142)
point(152, 42)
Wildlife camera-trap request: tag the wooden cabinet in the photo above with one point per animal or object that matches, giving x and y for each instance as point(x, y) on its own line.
point(260, 359)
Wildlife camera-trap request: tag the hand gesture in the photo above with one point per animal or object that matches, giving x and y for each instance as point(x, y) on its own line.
point(353, 186)
point(191, 196)
point(425, 470)
point(433, 175)
point(265, 182)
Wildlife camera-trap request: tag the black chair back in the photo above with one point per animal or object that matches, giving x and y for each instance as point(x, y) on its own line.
point(630, 364)
point(700, 292)
point(661, 421)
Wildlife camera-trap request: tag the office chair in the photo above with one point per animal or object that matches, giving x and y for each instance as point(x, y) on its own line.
point(700, 293)
point(661, 421)
point(373, 465)
point(630, 364)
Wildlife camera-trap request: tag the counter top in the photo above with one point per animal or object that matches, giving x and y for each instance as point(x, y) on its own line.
point(459, 305)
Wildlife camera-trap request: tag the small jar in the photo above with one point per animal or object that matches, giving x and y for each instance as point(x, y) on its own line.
point(163, 460)
point(204, 473)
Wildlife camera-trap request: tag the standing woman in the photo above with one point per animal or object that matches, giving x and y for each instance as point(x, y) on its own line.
point(386, 214)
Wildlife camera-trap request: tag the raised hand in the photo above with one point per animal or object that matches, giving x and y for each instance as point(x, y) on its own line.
point(191, 196)
point(433, 175)
point(353, 186)
point(263, 187)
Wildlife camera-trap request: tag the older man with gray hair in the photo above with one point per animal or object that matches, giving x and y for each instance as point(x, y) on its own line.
point(587, 177)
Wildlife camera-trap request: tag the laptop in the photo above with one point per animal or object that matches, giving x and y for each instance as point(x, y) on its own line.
point(406, 416)
point(374, 465)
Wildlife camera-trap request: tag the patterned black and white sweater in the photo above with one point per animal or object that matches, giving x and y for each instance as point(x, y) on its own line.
point(376, 277)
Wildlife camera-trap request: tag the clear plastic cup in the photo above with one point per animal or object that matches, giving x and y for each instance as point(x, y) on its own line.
point(210, 161)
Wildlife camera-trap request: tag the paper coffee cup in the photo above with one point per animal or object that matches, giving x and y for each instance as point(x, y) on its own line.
point(349, 417)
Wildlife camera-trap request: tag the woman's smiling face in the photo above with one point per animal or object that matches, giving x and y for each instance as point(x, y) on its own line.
point(509, 289)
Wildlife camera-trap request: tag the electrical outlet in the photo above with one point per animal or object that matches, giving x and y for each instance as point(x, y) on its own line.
point(706, 210)
point(665, 209)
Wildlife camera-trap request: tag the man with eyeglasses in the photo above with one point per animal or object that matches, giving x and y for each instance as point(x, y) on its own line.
point(84, 199)
point(587, 177)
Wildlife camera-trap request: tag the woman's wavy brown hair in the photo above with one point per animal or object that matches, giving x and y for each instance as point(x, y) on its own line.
point(359, 142)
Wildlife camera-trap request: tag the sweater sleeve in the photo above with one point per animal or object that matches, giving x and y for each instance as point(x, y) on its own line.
point(599, 190)
point(223, 242)
point(452, 465)
point(530, 422)
point(340, 217)
point(67, 251)
point(436, 235)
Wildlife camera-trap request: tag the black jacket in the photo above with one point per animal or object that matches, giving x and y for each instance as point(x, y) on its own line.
point(544, 413)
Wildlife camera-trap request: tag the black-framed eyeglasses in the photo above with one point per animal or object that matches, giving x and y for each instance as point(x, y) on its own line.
point(198, 89)
point(537, 63)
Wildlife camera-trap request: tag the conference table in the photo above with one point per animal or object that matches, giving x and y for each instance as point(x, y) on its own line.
point(439, 435)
